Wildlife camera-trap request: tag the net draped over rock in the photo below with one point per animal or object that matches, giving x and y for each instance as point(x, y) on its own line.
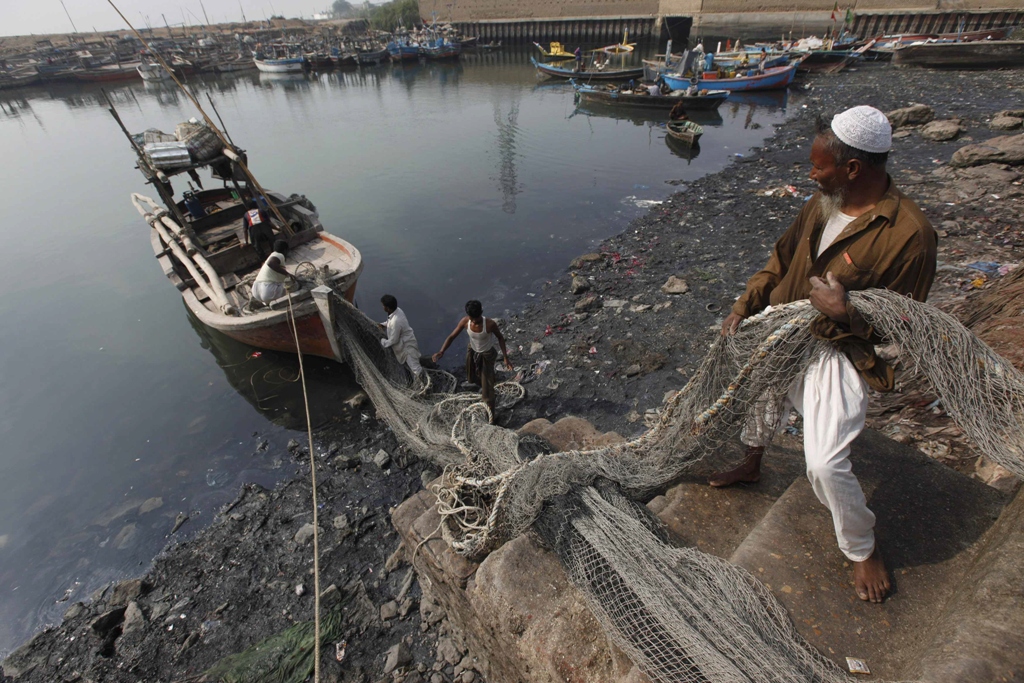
point(682, 615)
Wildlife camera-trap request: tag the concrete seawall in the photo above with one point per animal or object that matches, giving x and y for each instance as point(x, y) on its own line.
point(572, 20)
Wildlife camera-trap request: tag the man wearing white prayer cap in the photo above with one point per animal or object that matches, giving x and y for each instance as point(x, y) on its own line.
point(857, 232)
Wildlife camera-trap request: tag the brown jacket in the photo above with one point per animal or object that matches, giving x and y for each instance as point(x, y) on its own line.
point(892, 246)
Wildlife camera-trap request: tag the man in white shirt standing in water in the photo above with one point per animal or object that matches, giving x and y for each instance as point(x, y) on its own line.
point(269, 284)
point(401, 339)
point(480, 354)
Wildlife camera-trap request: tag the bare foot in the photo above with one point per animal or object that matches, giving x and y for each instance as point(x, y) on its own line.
point(871, 578)
point(747, 472)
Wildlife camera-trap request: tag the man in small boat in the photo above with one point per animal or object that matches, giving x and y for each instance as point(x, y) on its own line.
point(258, 229)
point(270, 282)
point(678, 113)
point(857, 232)
point(579, 58)
point(400, 338)
point(480, 354)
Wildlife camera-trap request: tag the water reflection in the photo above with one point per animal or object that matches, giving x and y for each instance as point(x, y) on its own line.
point(269, 381)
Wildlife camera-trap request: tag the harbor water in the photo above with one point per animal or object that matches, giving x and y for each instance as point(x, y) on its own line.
point(119, 414)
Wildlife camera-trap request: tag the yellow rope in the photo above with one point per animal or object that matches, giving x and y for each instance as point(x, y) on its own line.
point(316, 525)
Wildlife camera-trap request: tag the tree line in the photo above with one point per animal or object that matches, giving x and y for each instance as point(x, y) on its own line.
point(386, 17)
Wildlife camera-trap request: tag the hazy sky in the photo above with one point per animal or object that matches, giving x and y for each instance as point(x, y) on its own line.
point(18, 17)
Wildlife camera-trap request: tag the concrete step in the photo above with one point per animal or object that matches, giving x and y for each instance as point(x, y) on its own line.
point(931, 521)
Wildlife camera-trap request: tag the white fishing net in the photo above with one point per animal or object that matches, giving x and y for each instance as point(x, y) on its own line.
point(682, 615)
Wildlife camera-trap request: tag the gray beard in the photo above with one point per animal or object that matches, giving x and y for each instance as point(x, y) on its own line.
point(831, 204)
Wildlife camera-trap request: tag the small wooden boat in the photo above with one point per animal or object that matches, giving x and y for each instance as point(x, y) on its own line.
point(372, 57)
point(153, 73)
point(772, 79)
point(232, 65)
point(979, 54)
point(681, 149)
point(404, 52)
point(199, 242)
point(19, 78)
point(555, 51)
point(468, 43)
point(589, 73)
point(439, 48)
point(493, 45)
point(109, 73)
point(288, 65)
point(686, 132)
point(711, 99)
point(345, 61)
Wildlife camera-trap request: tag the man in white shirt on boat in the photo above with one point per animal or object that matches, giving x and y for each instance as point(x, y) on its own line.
point(400, 338)
point(270, 282)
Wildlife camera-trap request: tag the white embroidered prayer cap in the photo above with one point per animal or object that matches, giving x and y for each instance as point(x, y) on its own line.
point(864, 128)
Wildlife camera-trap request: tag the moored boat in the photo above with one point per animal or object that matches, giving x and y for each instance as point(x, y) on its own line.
point(589, 73)
point(979, 54)
point(686, 132)
point(199, 241)
point(372, 57)
point(19, 78)
point(153, 72)
point(108, 73)
point(772, 79)
point(710, 99)
point(280, 66)
point(439, 48)
point(233, 65)
point(404, 52)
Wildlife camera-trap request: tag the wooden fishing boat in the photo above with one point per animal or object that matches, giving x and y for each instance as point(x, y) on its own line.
point(233, 65)
point(153, 72)
point(979, 54)
point(686, 132)
point(288, 65)
point(19, 78)
point(555, 51)
point(404, 52)
point(108, 73)
point(682, 149)
point(772, 79)
point(372, 57)
point(199, 242)
point(589, 74)
point(439, 48)
point(603, 94)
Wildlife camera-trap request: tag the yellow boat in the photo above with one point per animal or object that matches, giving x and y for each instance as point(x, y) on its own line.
point(555, 51)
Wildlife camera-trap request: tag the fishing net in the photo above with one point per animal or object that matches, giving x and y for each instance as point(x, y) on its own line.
point(680, 614)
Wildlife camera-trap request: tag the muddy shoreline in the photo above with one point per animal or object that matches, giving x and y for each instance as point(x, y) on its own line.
point(608, 352)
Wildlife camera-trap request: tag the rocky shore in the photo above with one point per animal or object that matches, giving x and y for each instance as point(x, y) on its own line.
point(606, 339)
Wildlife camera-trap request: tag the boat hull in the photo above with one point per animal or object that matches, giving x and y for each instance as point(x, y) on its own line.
point(587, 76)
point(280, 66)
point(702, 103)
point(982, 54)
point(103, 75)
point(773, 79)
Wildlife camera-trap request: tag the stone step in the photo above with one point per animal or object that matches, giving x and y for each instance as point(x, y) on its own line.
point(930, 524)
point(716, 521)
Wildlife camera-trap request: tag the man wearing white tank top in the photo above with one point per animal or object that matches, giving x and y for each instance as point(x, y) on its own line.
point(480, 352)
point(858, 232)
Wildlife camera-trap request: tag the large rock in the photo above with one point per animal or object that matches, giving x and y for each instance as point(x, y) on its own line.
point(1006, 149)
point(1006, 123)
point(940, 131)
point(397, 655)
point(134, 619)
point(127, 591)
point(914, 115)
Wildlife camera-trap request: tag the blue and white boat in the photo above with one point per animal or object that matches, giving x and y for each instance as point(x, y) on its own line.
point(773, 78)
point(404, 51)
point(280, 66)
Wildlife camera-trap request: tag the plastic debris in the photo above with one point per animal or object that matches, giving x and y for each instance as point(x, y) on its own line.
point(857, 666)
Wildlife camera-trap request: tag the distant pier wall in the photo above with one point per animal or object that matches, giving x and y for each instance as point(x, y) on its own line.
point(602, 21)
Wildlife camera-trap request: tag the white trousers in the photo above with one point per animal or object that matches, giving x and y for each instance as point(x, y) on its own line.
point(412, 362)
point(833, 400)
point(267, 291)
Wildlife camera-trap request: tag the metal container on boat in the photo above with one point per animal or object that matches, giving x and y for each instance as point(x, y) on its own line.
point(167, 154)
